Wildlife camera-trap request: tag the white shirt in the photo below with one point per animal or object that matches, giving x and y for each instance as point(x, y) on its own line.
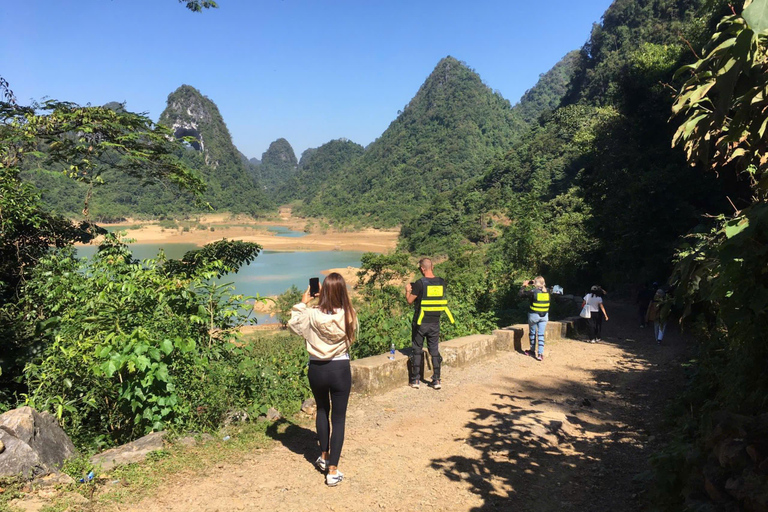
point(593, 302)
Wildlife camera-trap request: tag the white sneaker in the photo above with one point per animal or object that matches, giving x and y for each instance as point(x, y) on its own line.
point(321, 463)
point(334, 480)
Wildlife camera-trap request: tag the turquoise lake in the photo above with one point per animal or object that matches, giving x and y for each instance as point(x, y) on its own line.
point(271, 273)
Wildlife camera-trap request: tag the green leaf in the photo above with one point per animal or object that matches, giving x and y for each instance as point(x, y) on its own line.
point(735, 227)
point(166, 346)
point(757, 15)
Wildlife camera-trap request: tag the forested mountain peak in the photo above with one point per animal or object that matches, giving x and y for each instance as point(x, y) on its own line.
point(549, 91)
point(446, 133)
point(318, 166)
point(189, 113)
point(280, 153)
point(278, 165)
point(231, 183)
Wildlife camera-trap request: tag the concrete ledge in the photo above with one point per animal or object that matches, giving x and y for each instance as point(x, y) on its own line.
point(462, 351)
point(377, 374)
point(516, 337)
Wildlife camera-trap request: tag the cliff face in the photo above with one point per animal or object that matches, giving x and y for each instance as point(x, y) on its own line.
point(231, 181)
point(190, 114)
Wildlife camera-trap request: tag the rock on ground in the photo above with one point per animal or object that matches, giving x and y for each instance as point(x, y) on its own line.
point(34, 443)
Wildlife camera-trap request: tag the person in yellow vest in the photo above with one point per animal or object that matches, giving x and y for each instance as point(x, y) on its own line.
point(538, 314)
point(428, 294)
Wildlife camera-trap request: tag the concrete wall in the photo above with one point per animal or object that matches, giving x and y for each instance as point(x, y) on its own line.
point(377, 374)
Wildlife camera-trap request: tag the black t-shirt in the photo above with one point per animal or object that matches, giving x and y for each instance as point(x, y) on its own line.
point(417, 289)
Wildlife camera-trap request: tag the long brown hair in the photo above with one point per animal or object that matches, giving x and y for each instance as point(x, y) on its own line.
point(333, 295)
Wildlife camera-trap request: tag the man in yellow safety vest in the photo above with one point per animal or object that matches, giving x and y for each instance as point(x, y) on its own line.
point(428, 294)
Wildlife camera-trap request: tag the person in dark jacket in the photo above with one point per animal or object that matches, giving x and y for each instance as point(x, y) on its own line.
point(428, 295)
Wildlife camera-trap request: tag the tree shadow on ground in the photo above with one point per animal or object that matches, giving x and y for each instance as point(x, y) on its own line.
point(296, 438)
point(567, 444)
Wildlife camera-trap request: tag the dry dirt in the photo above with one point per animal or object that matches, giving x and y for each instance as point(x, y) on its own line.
point(508, 433)
point(250, 230)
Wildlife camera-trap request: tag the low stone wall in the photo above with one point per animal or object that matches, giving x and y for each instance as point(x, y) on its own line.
point(378, 374)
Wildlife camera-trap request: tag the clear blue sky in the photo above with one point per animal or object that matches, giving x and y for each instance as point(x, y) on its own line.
point(306, 70)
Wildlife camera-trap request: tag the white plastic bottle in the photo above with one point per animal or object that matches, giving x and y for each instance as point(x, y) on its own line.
point(392, 351)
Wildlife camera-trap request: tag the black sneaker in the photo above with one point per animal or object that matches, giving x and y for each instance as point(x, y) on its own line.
point(414, 384)
point(435, 384)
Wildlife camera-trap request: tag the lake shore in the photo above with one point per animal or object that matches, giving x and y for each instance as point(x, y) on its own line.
point(210, 228)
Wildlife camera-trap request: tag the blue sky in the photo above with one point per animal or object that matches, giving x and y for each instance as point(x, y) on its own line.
point(307, 71)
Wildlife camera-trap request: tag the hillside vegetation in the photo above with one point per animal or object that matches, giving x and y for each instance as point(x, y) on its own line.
point(649, 165)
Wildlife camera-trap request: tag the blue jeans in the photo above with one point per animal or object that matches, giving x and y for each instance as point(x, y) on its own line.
point(536, 325)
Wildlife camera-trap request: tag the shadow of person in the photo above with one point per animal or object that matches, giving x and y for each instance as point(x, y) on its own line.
point(296, 438)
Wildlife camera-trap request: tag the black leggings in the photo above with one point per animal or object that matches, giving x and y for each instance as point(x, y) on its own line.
point(330, 382)
point(596, 325)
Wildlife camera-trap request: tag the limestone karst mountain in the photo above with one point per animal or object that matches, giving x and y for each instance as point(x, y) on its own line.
point(232, 184)
point(278, 165)
point(446, 134)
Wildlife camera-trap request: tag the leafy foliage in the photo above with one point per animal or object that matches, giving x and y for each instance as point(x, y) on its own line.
point(120, 344)
point(724, 101)
point(720, 278)
point(116, 187)
point(198, 5)
point(285, 301)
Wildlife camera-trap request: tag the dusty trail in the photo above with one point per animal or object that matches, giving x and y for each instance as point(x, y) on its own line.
point(508, 433)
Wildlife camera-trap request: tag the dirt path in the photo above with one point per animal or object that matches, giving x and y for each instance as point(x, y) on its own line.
point(509, 433)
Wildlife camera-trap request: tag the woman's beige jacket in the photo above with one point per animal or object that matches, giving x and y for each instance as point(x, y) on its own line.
point(325, 334)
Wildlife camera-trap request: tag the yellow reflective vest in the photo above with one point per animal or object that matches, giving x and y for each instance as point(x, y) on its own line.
point(433, 300)
point(540, 302)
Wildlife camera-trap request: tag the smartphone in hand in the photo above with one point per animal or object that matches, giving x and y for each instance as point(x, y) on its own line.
point(314, 286)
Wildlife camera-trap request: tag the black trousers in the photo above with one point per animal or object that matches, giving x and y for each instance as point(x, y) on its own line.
point(596, 325)
point(430, 332)
point(331, 382)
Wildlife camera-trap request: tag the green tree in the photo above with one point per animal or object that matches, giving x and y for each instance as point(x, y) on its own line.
point(284, 302)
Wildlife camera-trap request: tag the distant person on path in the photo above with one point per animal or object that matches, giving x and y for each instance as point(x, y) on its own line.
point(594, 300)
point(538, 314)
point(644, 298)
point(653, 314)
point(329, 331)
point(429, 296)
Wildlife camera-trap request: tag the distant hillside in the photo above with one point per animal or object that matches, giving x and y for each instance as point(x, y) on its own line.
point(278, 165)
point(596, 179)
point(548, 92)
point(447, 133)
point(318, 167)
point(232, 185)
point(230, 179)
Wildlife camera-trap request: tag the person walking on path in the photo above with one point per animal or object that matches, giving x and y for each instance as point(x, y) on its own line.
point(653, 314)
point(538, 314)
point(644, 298)
point(597, 313)
point(329, 331)
point(429, 296)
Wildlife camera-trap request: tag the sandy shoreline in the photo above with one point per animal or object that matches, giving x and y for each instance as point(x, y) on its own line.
point(210, 228)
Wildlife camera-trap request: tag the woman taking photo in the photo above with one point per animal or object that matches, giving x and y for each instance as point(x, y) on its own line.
point(329, 330)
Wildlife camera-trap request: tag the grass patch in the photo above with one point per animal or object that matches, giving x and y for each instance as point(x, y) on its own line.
point(133, 482)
